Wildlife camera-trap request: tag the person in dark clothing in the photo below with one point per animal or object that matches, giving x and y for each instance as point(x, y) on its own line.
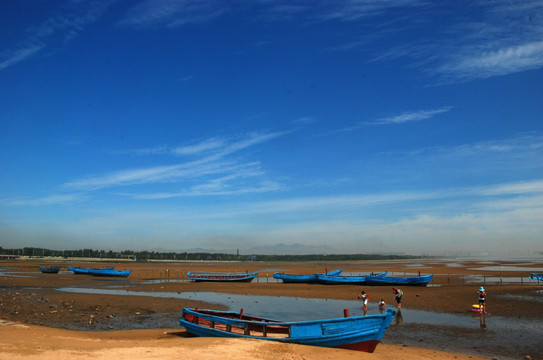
point(398, 297)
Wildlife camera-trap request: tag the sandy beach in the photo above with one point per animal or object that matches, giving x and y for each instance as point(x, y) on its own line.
point(39, 321)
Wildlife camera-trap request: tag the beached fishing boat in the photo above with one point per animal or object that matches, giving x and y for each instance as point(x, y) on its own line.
point(296, 278)
point(109, 272)
point(405, 281)
point(221, 276)
point(361, 333)
point(85, 271)
point(345, 279)
point(49, 269)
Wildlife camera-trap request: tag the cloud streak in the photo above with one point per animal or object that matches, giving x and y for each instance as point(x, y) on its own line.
point(504, 39)
point(15, 56)
point(521, 147)
point(496, 62)
point(410, 116)
point(60, 28)
point(405, 117)
point(171, 13)
point(46, 200)
point(518, 195)
point(353, 10)
point(210, 154)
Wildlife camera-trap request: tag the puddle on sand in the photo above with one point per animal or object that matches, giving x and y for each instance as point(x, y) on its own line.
point(504, 338)
point(485, 279)
point(506, 268)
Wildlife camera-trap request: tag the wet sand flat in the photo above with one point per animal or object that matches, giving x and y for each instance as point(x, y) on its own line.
point(30, 298)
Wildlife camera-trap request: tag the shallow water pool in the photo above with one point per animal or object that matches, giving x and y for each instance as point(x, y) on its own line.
point(501, 337)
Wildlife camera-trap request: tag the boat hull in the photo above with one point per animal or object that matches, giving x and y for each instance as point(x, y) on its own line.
point(107, 271)
point(405, 281)
point(49, 270)
point(110, 273)
point(365, 346)
point(199, 276)
point(361, 333)
point(305, 279)
point(85, 271)
point(345, 279)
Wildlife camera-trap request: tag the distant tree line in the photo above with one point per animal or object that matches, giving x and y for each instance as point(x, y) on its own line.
point(198, 256)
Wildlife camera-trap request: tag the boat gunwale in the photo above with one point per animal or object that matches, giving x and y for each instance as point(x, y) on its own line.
point(260, 321)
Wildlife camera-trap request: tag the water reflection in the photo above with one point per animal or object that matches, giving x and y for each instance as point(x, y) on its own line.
point(482, 321)
point(398, 319)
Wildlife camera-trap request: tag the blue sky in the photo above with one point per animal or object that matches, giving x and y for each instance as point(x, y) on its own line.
point(342, 127)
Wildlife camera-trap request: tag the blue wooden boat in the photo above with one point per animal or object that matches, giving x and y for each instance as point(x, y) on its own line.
point(85, 271)
point(361, 333)
point(344, 279)
point(307, 279)
point(405, 281)
point(109, 272)
point(49, 269)
point(536, 276)
point(221, 276)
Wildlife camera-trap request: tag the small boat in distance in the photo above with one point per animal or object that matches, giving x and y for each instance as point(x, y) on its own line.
point(296, 278)
point(536, 276)
point(49, 269)
point(406, 281)
point(345, 279)
point(85, 271)
point(109, 272)
point(361, 333)
point(221, 276)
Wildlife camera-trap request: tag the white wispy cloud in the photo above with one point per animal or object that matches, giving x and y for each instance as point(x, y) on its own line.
point(496, 62)
point(131, 177)
point(228, 181)
point(521, 146)
point(61, 27)
point(523, 187)
point(210, 160)
point(329, 204)
point(410, 116)
point(405, 117)
point(504, 38)
point(450, 201)
point(515, 158)
point(171, 13)
point(352, 10)
point(204, 146)
point(306, 120)
point(216, 187)
point(15, 56)
point(214, 147)
point(45, 201)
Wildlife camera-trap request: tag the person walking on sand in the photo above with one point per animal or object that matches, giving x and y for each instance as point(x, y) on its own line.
point(398, 297)
point(365, 299)
point(482, 297)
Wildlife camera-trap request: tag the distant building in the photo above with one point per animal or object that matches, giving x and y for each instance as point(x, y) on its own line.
point(9, 257)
